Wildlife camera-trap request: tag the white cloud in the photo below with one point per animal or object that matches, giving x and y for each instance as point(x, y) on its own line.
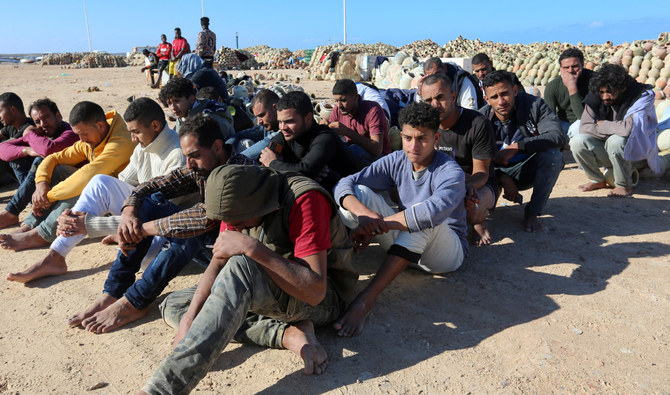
point(596, 24)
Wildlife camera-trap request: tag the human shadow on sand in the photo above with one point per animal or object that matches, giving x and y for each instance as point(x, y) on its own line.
point(420, 316)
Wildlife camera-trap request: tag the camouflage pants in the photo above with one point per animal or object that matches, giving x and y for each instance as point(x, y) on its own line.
point(244, 304)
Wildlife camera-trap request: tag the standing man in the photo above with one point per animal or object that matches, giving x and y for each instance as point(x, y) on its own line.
point(530, 138)
point(363, 123)
point(565, 94)
point(618, 128)
point(179, 48)
point(164, 52)
point(429, 231)
point(205, 46)
point(467, 136)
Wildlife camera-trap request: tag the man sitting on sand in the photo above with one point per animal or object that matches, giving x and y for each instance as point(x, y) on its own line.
point(264, 107)
point(565, 94)
point(467, 136)
point(25, 154)
point(363, 123)
point(463, 82)
point(306, 147)
point(530, 138)
point(179, 95)
point(104, 145)
point(14, 121)
point(147, 212)
point(618, 128)
point(429, 231)
point(156, 153)
point(282, 264)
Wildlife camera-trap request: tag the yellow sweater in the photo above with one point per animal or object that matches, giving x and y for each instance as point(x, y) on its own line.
point(110, 157)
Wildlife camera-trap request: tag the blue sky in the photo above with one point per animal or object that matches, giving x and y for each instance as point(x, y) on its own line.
point(41, 26)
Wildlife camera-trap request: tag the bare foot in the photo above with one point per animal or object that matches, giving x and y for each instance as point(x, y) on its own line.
point(592, 186)
point(99, 304)
point(532, 224)
point(619, 192)
point(353, 320)
point(483, 233)
point(8, 219)
point(114, 316)
point(53, 264)
point(300, 338)
point(22, 240)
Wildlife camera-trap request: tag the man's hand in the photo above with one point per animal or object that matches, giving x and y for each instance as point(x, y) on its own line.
point(570, 80)
point(504, 155)
point(29, 151)
point(471, 197)
point(35, 129)
point(322, 174)
point(341, 129)
point(184, 326)
point(130, 229)
point(40, 200)
point(71, 223)
point(267, 156)
point(231, 243)
point(368, 227)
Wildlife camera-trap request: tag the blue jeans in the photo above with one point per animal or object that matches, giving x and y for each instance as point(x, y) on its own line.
point(362, 154)
point(540, 172)
point(175, 254)
point(24, 193)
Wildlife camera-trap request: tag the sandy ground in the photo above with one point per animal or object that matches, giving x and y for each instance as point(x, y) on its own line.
point(580, 308)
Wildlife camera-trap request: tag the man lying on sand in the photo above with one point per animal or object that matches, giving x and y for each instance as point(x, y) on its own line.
point(282, 264)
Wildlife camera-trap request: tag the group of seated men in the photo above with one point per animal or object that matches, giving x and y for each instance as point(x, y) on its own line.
point(281, 222)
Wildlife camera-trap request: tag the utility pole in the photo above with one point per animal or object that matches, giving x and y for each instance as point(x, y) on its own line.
point(345, 21)
point(88, 32)
point(237, 40)
point(203, 7)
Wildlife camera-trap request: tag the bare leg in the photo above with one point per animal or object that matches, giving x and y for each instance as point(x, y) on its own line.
point(22, 240)
point(620, 192)
point(532, 224)
point(483, 233)
point(477, 215)
point(592, 186)
point(53, 264)
point(510, 190)
point(351, 323)
point(8, 219)
point(300, 338)
point(99, 304)
point(114, 316)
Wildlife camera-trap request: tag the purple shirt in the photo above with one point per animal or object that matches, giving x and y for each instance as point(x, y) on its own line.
point(12, 150)
point(369, 121)
point(437, 196)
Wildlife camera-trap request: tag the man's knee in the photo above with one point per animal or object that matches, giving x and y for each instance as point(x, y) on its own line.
point(614, 145)
point(550, 157)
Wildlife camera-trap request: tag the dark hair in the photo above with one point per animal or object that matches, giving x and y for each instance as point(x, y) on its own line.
point(296, 100)
point(207, 93)
point(176, 87)
point(11, 99)
point(420, 115)
point(498, 76)
point(434, 78)
point(44, 103)
point(177, 28)
point(265, 97)
point(345, 87)
point(611, 76)
point(204, 21)
point(145, 111)
point(431, 62)
point(145, 52)
point(87, 112)
point(571, 53)
point(480, 58)
point(203, 127)
point(163, 35)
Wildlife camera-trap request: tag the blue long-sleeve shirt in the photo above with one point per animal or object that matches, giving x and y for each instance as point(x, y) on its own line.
point(437, 196)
